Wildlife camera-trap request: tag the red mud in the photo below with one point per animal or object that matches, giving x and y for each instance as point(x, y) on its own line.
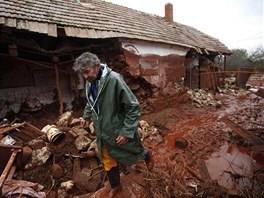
point(209, 139)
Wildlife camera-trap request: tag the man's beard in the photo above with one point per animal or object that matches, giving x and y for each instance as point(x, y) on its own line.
point(91, 79)
point(98, 76)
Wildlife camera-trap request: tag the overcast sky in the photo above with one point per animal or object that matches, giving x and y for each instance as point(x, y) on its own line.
point(236, 23)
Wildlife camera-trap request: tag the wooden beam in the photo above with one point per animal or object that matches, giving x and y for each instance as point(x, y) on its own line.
point(242, 132)
point(8, 167)
point(33, 62)
point(20, 135)
point(193, 174)
point(58, 88)
point(11, 172)
point(224, 75)
point(35, 129)
point(12, 128)
point(224, 62)
point(203, 170)
point(257, 148)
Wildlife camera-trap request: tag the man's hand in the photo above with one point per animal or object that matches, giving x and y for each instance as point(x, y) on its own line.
point(121, 140)
point(83, 122)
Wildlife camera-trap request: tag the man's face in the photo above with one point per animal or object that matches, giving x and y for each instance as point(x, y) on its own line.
point(90, 72)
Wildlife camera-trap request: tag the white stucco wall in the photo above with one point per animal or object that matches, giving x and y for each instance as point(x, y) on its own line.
point(145, 47)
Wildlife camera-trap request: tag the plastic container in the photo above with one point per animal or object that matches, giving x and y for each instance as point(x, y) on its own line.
point(54, 135)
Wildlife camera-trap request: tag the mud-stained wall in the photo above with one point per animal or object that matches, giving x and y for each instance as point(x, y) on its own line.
point(157, 70)
point(159, 64)
point(144, 65)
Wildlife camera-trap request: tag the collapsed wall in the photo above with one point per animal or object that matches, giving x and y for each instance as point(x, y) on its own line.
point(38, 72)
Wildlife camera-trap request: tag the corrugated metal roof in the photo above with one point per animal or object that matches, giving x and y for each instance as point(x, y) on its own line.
point(100, 19)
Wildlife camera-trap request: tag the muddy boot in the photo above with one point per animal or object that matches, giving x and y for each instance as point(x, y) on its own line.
point(114, 180)
point(148, 159)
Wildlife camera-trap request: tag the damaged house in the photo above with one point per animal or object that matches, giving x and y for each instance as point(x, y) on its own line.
point(41, 39)
point(56, 157)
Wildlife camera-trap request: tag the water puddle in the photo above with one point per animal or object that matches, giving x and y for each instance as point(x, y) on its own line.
point(233, 166)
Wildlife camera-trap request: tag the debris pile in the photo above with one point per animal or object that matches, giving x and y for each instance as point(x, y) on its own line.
point(149, 133)
point(248, 115)
point(230, 87)
point(21, 187)
point(179, 88)
point(57, 158)
point(230, 83)
point(201, 98)
point(61, 159)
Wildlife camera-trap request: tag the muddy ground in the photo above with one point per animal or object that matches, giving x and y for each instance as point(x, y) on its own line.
point(234, 169)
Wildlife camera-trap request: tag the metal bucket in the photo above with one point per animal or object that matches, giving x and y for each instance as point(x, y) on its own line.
point(54, 135)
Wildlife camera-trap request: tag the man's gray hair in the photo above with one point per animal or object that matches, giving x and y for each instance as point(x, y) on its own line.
point(84, 60)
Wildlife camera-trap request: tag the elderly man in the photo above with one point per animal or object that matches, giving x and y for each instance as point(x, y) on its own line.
point(115, 111)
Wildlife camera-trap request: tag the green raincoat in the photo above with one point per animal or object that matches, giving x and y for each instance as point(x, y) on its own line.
point(118, 114)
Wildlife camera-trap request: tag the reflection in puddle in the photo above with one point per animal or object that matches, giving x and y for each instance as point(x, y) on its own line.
point(233, 167)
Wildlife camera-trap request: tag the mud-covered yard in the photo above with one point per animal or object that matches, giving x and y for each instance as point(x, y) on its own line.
point(199, 150)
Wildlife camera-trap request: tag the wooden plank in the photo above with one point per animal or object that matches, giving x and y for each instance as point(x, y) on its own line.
point(211, 77)
point(29, 133)
point(33, 128)
point(20, 135)
point(257, 148)
point(5, 126)
point(10, 146)
point(203, 170)
point(58, 88)
point(11, 172)
point(12, 128)
point(242, 132)
point(33, 62)
point(8, 167)
point(193, 174)
point(234, 192)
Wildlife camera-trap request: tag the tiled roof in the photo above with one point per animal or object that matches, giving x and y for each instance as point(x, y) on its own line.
point(100, 19)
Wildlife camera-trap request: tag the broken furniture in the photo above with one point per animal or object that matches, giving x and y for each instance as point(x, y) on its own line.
point(11, 158)
point(22, 132)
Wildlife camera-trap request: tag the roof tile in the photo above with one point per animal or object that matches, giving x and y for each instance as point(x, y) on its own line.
point(100, 19)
